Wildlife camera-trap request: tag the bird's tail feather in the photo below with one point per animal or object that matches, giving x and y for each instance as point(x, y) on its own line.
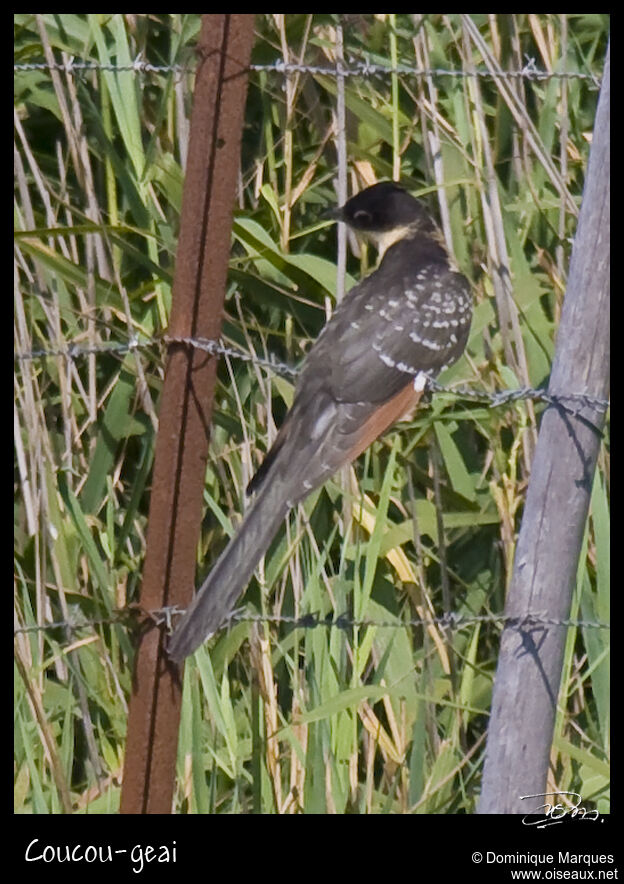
point(233, 570)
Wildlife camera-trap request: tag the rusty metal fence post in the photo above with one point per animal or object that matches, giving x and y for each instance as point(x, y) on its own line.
point(224, 51)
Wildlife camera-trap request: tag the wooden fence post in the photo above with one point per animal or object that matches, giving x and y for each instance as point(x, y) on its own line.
point(555, 514)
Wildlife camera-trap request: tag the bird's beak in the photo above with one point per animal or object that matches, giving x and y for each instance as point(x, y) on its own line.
point(333, 214)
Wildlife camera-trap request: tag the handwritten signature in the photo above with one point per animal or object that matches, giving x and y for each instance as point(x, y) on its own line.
point(557, 813)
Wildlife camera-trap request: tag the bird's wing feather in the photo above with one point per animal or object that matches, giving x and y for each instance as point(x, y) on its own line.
point(387, 329)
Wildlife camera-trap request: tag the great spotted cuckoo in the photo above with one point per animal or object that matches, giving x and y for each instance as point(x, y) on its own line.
point(403, 323)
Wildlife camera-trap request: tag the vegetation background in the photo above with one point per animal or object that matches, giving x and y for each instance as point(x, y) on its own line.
point(365, 719)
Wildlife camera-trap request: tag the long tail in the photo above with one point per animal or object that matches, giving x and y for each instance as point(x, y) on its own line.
point(233, 570)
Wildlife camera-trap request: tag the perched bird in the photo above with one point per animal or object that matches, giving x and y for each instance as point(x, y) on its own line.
point(404, 322)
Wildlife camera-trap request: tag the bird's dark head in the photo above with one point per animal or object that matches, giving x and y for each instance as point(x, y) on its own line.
point(384, 213)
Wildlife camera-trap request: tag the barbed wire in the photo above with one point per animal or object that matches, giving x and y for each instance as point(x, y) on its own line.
point(354, 68)
point(74, 350)
point(449, 620)
point(216, 348)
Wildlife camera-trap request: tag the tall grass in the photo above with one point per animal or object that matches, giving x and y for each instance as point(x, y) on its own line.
point(368, 719)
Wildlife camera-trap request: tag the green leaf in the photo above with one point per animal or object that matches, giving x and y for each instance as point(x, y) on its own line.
point(117, 423)
point(98, 567)
point(454, 463)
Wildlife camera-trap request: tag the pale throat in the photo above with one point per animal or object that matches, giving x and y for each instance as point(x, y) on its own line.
point(387, 238)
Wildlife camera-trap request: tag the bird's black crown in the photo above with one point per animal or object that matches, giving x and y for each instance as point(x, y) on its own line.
point(382, 208)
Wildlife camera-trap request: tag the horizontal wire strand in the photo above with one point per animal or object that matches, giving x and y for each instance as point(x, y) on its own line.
point(451, 620)
point(495, 399)
point(353, 69)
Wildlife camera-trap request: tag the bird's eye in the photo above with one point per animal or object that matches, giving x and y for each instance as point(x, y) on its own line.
point(362, 218)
